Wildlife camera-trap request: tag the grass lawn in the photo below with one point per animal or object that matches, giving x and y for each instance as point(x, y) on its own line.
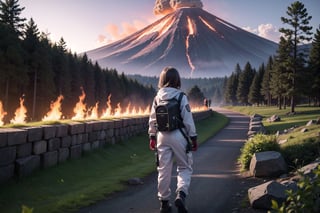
point(78, 183)
point(302, 116)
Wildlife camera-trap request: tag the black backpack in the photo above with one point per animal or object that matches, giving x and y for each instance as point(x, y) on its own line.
point(168, 115)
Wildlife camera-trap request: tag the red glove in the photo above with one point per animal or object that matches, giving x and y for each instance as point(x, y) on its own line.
point(152, 143)
point(194, 143)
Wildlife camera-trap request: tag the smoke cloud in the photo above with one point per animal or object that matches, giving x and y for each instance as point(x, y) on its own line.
point(163, 7)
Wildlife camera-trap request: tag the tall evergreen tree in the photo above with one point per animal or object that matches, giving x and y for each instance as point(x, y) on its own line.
point(265, 84)
point(196, 96)
point(314, 66)
point(297, 32)
point(255, 96)
point(230, 93)
point(10, 12)
point(245, 80)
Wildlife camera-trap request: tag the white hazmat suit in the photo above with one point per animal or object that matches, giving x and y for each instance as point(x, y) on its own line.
point(172, 145)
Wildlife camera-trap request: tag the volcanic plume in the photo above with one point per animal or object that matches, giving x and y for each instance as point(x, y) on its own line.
point(194, 41)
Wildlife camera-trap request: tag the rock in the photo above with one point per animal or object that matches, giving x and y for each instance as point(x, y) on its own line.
point(274, 118)
point(267, 164)
point(260, 196)
point(283, 141)
point(307, 170)
point(311, 122)
point(304, 130)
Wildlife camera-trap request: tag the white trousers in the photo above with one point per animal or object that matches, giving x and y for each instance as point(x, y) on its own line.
point(172, 146)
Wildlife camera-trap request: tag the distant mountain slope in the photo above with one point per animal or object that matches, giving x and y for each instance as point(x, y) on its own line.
point(194, 41)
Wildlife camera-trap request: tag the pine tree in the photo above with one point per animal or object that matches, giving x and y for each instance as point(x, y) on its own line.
point(265, 84)
point(230, 94)
point(314, 66)
point(255, 96)
point(196, 96)
point(245, 80)
point(298, 32)
point(10, 12)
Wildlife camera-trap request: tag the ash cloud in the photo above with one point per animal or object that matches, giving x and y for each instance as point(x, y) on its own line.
point(163, 7)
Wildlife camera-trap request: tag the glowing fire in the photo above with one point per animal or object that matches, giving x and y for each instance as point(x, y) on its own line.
point(55, 110)
point(2, 114)
point(81, 111)
point(20, 114)
point(191, 28)
point(81, 108)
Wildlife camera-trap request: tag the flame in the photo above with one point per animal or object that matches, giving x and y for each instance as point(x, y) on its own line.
point(117, 111)
point(108, 112)
point(192, 30)
point(210, 27)
point(55, 110)
point(2, 114)
point(20, 114)
point(80, 108)
point(94, 112)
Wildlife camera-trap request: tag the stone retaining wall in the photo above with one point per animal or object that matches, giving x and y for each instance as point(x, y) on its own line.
point(24, 150)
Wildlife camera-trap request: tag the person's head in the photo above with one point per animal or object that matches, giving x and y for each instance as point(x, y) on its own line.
point(169, 77)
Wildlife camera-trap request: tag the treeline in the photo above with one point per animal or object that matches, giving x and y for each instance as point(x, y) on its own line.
point(290, 77)
point(34, 68)
point(210, 88)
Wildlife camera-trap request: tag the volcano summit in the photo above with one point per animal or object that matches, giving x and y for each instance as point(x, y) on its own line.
point(194, 41)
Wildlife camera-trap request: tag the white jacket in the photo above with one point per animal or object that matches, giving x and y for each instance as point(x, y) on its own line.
point(166, 94)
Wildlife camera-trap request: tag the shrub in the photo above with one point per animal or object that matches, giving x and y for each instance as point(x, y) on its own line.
point(301, 153)
point(259, 143)
point(305, 199)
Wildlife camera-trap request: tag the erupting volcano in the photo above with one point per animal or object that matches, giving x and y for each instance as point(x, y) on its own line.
point(189, 38)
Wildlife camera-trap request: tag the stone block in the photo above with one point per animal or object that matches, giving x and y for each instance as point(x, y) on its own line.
point(54, 144)
point(118, 123)
point(61, 130)
point(76, 128)
point(95, 145)
point(49, 159)
point(25, 166)
point(17, 136)
point(49, 131)
point(86, 147)
point(93, 136)
point(75, 151)
point(267, 164)
point(3, 137)
point(34, 133)
point(107, 124)
point(63, 155)
point(7, 155)
point(24, 150)
point(6, 172)
point(66, 141)
point(260, 196)
point(39, 147)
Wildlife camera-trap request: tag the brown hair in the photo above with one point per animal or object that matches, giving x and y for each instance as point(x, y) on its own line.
point(169, 77)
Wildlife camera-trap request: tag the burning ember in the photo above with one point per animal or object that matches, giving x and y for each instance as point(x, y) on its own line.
point(20, 114)
point(2, 114)
point(55, 110)
point(81, 111)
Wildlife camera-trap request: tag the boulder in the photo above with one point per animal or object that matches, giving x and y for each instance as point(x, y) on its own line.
point(274, 118)
point(267, 164)
point(260, 196)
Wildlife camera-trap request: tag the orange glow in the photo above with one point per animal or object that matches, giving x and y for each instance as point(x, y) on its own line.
point(2, 114)
point(191, 33)
point(81, 108)
point(94, 112)
point(20, 114)
point(107, 112)
point(210, 27)
point(160, 27)
point(55, 110)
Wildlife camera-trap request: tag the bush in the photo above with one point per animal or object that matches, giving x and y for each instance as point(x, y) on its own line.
point(259, 143)
point(302, 153)
point(305, 199)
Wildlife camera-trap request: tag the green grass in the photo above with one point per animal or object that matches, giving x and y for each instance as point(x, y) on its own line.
point(81, 182)
point(302, 116)
point(299, 148)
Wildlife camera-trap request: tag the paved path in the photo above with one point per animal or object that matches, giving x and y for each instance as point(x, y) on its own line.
point(215, 181)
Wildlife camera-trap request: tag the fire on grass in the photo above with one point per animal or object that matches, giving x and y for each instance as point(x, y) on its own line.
point(81, 111)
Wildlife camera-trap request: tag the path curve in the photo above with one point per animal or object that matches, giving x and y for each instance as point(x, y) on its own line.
point(215, 182)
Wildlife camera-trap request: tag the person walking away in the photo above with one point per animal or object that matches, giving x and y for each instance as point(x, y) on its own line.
point(173, 144)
